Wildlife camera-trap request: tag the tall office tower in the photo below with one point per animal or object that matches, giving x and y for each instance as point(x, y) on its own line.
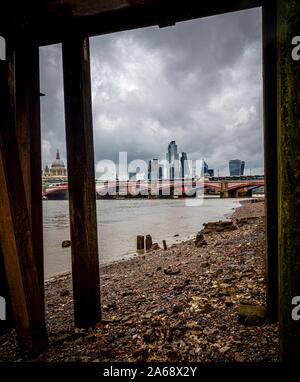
point(173, 159)
point(161, 172)
point(149, 169)
point(211, 171)
point(154, 173)
point(236, 167)
point(185, 171)
point(205, 167)
point(242, 167)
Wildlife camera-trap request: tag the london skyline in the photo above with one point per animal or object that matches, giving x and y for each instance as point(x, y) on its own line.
point(199, 83)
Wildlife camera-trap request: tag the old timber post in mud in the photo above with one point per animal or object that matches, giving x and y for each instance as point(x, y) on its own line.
point(288, 177)
point(71, 22)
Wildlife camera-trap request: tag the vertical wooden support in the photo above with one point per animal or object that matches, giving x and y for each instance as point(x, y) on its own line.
point(269, 22)
point(28, 130)
point(288, 177)
point(7, 324)
point(81, 178)
point(15, 230)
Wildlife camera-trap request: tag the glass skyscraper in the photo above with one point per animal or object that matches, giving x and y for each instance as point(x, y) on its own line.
point(153, 169)
point(173, 160)
point(236, 167)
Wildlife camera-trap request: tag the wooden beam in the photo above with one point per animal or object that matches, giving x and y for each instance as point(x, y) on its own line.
point(53, 20)
point(15, 230)
point(28, 130)
point(288, 178)
point(81, 179)
point(269, 22)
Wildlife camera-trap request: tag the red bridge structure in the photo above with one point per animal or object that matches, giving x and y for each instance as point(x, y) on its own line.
point(228, 187)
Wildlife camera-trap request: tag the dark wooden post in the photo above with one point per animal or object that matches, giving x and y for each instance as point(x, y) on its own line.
point(7, 324)
point(81, 178)
point(288, 177)
point(28, 130)
point(15, 230)
point(270, 152)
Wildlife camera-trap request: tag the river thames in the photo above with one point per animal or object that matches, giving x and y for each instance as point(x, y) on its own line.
point(120, 221)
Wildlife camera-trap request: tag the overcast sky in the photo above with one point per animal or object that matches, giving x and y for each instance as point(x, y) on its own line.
point(198, 83)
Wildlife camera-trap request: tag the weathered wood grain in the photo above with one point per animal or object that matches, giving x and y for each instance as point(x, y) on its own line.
point(81, 178)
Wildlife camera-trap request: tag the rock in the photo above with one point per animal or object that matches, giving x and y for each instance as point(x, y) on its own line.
point(64, 292)
point(200, 241)
point(205, 264)
point(171, 272)
point(150, 336)
point(66, 243)
point(239, 358)
point(155, 246)
point(112, 305)
point(176, 235)
point(228, 303)
point(141, 352)
point(124, 294)
point(207, 308)
point(177, 308)
point(219, 226)
point(59, 340)
point(182, 285)
point(257, 314)
point(224, 349)
point(252, 320)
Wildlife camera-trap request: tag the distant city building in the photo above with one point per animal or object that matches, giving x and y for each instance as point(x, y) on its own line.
point(57, 171)
point(173, 160)
point(236, 167)
point(205, 167)
point(153, 169)
point(149, 169)
point(242, 167)
point(185, 169)
point(161, 172)
point(211, 172)
point(132, 175)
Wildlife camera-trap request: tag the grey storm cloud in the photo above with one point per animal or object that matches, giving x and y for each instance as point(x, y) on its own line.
point(199, 83)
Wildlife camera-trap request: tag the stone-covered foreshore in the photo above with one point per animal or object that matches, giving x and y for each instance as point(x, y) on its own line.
point(179, 304)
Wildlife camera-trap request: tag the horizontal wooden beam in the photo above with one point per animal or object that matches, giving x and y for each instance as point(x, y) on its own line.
point(50, 22)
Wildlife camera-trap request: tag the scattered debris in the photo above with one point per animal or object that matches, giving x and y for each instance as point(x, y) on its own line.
point(178, 304)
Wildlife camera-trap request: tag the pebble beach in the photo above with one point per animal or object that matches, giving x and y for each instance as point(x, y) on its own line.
point(178, 304)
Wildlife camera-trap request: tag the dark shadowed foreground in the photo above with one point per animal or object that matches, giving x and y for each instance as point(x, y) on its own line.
point(173, 305)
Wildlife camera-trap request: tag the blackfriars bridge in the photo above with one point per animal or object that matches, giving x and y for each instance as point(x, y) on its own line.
point(226, 187)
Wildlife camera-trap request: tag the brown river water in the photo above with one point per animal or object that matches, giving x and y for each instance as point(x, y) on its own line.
point(120, 221)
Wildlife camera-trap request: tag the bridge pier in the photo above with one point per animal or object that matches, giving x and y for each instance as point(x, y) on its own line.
point(224, 194)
